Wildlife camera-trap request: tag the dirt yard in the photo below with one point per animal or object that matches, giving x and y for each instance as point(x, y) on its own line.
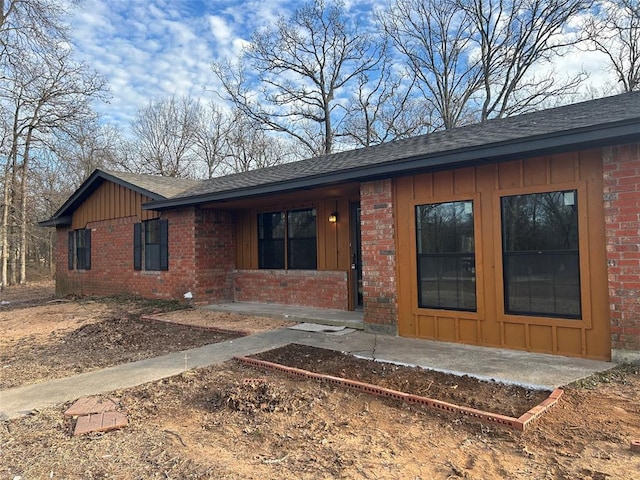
point(236, 422)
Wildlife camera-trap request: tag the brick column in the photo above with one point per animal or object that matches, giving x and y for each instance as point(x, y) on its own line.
point(379, 257)
point(621, 174)
point(215, 255)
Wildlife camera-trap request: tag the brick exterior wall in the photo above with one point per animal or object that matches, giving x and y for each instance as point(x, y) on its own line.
point(621, 173)
point(112, 269)
point(313, 288)
point(379, 257)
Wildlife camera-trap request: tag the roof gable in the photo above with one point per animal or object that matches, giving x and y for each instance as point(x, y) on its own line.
point(152, 186)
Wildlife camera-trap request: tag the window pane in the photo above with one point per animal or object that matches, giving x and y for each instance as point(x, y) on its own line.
point(271, 227)
point(302, 247)
point(152, 256)
point(152, 232)
point(447, 281)
point(541, 221)
point(445, 227)
point(446, 256)
point(540, 254)
point(543, 283)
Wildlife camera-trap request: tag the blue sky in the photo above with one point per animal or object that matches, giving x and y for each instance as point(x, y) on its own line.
point(148, 49)
point(152, 48)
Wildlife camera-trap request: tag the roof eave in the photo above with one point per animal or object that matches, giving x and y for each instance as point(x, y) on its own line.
point(64, 221)
point(522, 148)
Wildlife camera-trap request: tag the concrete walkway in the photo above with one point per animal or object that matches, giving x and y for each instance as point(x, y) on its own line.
point(507, 366)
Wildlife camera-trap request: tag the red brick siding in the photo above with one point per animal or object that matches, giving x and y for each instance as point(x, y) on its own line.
point(112, 259)
point(621, 173)
point(215, 255)
point(378, 253)
point(312, 288)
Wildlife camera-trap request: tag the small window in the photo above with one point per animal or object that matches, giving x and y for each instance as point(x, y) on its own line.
point(288, 240)
point(79, 249)
point(446, 256)
point(151, 244)
point(541, 260)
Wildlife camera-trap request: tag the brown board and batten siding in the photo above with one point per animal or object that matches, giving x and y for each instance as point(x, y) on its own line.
point(489, 325)
point(111, 201)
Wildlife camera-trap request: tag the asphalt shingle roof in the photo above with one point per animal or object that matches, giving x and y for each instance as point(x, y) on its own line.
point(166, 187)
point(584, 116)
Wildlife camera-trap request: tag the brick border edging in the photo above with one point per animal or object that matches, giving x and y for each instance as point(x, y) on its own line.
point(520, 423)
point(154, 318)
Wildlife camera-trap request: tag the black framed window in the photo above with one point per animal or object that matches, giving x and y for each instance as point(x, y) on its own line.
point(151, 244)
point(79, 249)
point(446, 256)
point(288, 240)
point(540, 250)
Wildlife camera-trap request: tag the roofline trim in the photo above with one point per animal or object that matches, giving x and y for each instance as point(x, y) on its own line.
point(528, 147)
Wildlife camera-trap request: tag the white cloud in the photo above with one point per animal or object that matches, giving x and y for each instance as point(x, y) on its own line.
point(220, 30)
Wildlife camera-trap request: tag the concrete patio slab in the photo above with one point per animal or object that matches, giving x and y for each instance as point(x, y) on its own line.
point(323, 316)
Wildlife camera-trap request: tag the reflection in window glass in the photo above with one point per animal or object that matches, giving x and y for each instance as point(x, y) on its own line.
point(271, 228)
point(540, 254)
point(446, 256)
point(302, 249)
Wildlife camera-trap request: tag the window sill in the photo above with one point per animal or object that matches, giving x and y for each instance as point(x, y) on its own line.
point(151, 272)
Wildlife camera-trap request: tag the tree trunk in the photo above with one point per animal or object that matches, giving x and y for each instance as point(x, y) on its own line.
point(24, 186)
point(4, 228)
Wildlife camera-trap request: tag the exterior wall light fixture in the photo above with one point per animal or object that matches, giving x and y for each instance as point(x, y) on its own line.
point(333, 217)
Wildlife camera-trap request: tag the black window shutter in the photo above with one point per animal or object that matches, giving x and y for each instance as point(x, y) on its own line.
point(87, 249)
point(164, 244)
point(70, 249)
point(137, 246)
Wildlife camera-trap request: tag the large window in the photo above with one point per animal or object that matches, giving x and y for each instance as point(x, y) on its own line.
point(288, 240)
point(540, 254)
point(151, 244)
point(446, 256)
point(79, 249)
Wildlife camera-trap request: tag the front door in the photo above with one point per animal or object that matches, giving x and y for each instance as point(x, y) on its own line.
point(356, 256)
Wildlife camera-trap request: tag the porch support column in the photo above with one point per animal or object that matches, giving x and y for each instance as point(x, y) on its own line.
point(379, 257)
point(621, 170)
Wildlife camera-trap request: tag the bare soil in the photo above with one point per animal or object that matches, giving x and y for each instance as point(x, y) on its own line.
point(235, 422)
point(466, 391)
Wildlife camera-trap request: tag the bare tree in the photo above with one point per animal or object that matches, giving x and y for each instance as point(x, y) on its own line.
point(615, 31)
point(166, 135)
point(42, 90)
point(211, 146)
point(50, 92)
point(475, 59)
point(290, 78)
point(516, 37)
point(433, 38)
point(83, 146)
point(249, 147)
point(383, 109)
